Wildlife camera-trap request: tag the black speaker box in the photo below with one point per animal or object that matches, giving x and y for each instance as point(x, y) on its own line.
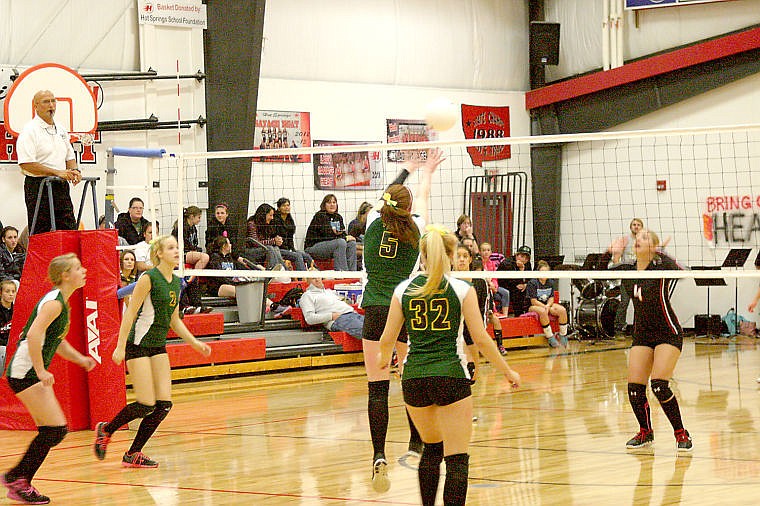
point(707, 324)
point(544, 43)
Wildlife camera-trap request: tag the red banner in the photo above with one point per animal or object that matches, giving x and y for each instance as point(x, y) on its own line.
point(486, 122)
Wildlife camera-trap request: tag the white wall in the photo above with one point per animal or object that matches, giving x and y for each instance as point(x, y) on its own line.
point(357, 112)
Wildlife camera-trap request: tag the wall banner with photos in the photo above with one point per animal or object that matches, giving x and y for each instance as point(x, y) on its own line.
point(282, 129)
point(360, 170)
point(407, 130)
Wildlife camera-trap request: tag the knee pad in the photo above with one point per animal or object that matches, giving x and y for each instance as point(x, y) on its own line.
point(432, 455)
point(161, 410)
point(661, 390)
point(52, 435)
point(141, 410)
point(637, 393)
point(378, 390)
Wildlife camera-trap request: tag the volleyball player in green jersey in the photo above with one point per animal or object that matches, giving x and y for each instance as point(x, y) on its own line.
point(43, 337)
point(433, 308)
point(142, 342)
point(391, 254)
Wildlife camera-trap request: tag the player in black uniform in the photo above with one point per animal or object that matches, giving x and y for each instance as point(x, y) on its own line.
point(657, 339)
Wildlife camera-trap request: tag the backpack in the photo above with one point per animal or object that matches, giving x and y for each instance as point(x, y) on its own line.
point(291, 297)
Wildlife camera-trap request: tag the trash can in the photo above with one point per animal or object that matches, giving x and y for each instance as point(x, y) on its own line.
point(250, 301)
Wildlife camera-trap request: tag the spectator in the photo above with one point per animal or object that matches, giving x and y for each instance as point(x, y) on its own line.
point(12, 255)
point(464, 229)
point(194, 255)
point(326, 237)
point(142, 249)
point(500, 295)
point(516, 287)
point(540, 292)
point(221, 225)
point(472, 245)
point(102, 226)
point(128, 268)
point(357, 227)
point(222, 259)
point(285, 227)
point(628, 256)
point(263, 239)
point(130, 225)
point(323, 306)
point(7, 298)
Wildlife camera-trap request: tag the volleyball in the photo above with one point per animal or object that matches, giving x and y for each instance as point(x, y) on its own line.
point(441, 114)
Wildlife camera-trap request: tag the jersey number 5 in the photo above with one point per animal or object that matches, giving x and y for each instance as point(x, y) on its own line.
point(388, 246)
point(430, 314)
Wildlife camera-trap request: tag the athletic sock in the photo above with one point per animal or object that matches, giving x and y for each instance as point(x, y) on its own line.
point(415, 441)
point(149, 425)
point(668, 401)
point(455, 486)
point(563, 329)
point(429, 472)
point(637, 396)
point(548, 331)
point(131, 411)
point(377, 410)
point(498, 336)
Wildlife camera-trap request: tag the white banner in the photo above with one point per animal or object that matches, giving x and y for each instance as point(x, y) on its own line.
point(183, 13)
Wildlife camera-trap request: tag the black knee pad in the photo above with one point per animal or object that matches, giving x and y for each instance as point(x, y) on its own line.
point(162, 410)
point(52, 435)
point(378, 390)
point(432, 455)
point(140, 410)
point(637, 393)
point(661, 390)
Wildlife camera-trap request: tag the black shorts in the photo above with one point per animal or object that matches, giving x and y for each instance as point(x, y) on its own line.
point(374, 324)
point(19, 385)
point(435, 390)
point(652, 340)
point(135, 351)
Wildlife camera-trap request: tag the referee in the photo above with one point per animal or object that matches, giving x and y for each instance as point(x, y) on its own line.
point(44, 150)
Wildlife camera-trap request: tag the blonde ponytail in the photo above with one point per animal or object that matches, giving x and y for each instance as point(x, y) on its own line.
point(437, 247)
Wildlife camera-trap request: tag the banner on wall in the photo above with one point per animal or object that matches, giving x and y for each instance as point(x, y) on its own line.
point(181, 13)
point(731, 219)
point(486, 122)
point(282, 129)
point(647, 4)
point(407, 130)
point(359, 170)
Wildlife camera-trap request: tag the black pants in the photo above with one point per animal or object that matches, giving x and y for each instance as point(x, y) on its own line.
point(62, 206)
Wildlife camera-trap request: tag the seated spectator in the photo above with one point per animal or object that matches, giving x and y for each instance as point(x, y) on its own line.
point(222, 225)
point(194, 254)
point(357, 228)
point(286, 228)
point(326, 237)
point(323, 306)
point(142, 249)
point(7, 298)
point(102, 226)
point(470, 244)
point(540, 292)
point(500, 295)
point(128, 268)
point(12, 255)
point(516, 287)
point(263, 241)
point(464, 229)
point(222, 259)
point(130, 225)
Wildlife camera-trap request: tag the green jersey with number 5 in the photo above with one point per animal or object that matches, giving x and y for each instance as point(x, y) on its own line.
point(387, 260)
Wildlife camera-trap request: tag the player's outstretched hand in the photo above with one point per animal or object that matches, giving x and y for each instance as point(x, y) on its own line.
point(88, 364)
point(202, 348)
point(513, 378)
point(118, 356)
point(46, 378)
point(617, 246)
point(434, 159)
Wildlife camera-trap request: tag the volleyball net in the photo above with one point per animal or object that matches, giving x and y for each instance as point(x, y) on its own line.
point(695, 187)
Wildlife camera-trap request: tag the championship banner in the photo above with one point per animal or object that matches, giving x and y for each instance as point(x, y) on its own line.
point(359, 170)
point(70, 379)
point(106, 383)
point(486, 122)
point(406, 130)
point(282, 129)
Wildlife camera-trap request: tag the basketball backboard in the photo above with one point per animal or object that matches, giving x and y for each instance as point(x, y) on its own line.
point(76, 109)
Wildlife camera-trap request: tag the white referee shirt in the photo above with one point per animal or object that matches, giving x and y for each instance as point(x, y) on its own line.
point(45, 144)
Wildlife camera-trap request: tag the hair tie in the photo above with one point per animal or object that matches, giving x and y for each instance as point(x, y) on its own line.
point(443, 231)
point(388, 200)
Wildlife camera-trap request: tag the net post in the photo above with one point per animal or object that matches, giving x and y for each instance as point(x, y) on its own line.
point(181, 209)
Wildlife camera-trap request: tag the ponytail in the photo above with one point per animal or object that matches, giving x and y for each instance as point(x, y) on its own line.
point(437, 246)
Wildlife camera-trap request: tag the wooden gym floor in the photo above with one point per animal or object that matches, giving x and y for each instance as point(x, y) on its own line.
point(302, 438)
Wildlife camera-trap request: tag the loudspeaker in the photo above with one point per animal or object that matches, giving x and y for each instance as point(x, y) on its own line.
point(544, 43)
point(707, 324)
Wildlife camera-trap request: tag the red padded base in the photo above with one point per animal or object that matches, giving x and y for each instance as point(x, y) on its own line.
point(346, 341)
point(209, 324)
point(228, 350)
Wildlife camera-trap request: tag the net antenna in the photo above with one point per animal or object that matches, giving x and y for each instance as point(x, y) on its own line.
point(76, 110)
